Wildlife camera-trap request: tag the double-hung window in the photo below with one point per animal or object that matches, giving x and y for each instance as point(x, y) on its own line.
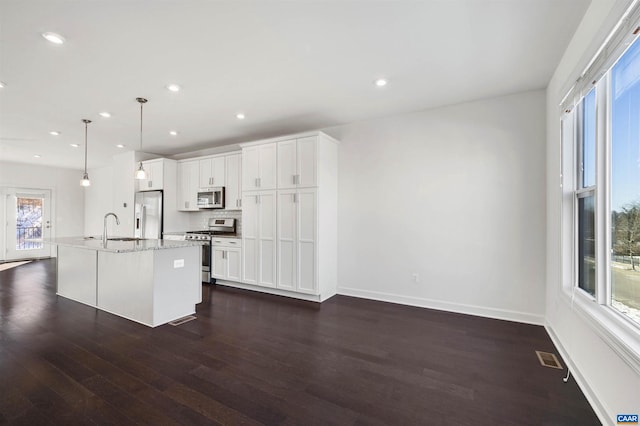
point(603, 202)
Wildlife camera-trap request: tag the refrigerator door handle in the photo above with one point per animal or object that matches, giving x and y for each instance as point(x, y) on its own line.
point(143, 209)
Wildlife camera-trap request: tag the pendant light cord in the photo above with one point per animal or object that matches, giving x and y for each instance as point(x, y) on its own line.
point(86, 125)
point(141, 103)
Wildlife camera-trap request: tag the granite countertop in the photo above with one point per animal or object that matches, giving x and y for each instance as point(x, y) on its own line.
point(95, 243)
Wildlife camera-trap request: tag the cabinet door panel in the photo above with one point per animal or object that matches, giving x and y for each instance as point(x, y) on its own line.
point(307, 241)
point(267, 263)
point(286, 164)
point(249, 238)
point(188, 175)
point(267, 238)
point(307, 161)
point(233, 264)
point(232, 188)
point(250, 168)
point(206, 173)
point(307, 267)
point(268, 160)
point(287, 220)
point(218, 266)
point(218, 171)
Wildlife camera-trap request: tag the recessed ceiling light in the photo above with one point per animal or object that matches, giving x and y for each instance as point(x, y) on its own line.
point(173, 87)
point(173, 133)
point(2, 84)
point(240, 116)
point(53, 38)
point(54, 133)
point(120, 145)
point(381, 82)
point(75, 145)
point(37, 156)
point(105, 114)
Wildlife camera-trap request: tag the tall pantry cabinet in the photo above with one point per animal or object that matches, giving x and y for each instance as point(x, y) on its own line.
point(290, 225)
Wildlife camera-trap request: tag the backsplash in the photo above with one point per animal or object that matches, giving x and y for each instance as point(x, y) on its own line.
point(200, 220)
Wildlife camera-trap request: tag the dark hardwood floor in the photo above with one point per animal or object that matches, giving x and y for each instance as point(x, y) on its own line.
point(257, 359)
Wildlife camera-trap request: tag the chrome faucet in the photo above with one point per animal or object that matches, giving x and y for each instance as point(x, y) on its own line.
point(104, 235)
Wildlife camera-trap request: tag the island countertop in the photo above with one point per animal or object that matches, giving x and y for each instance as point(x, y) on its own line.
point(95, 243)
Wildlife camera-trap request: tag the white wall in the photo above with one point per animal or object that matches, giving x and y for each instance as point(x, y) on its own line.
point(454, 194)
point(98, 201)
point(610, 384)
point(67, 194)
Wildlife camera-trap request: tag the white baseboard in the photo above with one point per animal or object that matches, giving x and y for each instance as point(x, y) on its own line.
point(595, 403)
point(502, 314)
point(269, 290)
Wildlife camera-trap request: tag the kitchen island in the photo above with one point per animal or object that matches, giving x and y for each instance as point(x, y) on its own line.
point(148, 281)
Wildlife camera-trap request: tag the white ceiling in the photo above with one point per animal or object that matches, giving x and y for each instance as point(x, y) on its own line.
point(288, 65)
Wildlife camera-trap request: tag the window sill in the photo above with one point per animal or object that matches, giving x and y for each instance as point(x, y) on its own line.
point(618, 334)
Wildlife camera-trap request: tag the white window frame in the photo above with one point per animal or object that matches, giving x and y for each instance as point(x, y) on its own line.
point(620, 332)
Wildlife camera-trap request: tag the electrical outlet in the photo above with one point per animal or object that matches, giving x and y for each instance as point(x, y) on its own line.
point(415, 277)
point(178, 263)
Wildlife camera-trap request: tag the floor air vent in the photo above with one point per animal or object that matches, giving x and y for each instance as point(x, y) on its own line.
point(548, 360)
point(181, 321)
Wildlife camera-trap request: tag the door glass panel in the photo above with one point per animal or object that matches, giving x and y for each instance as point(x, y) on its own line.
point(625, 181)
point(29, 223)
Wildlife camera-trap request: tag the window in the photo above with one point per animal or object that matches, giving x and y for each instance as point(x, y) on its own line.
point(585, 195)
point(607, 189)
point(624, 268)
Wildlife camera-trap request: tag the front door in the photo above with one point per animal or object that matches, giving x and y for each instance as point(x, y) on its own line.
point(28, 213)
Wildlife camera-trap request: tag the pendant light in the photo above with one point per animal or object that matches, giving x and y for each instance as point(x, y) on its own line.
point(85, 178)
point(141, 173)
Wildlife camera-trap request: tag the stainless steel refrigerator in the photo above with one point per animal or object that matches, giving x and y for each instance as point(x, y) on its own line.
point(148, 214)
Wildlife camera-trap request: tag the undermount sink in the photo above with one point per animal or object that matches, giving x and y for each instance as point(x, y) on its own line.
point(125, 239)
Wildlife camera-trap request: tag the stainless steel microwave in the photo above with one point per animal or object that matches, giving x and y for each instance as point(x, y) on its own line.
point(212, 198)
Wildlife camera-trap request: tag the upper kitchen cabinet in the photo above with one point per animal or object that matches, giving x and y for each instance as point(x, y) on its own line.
point(233, 180)
point(188, 185)
point(297, 163)
point(212, 172)
point(155, 175)
point(259, 166)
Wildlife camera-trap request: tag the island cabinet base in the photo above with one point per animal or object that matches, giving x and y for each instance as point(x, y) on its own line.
point(78, 274)
point(150, 287)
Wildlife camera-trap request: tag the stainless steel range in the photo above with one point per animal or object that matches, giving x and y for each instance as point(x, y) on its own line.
point(217, 228)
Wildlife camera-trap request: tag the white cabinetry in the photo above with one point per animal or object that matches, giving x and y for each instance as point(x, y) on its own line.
point(297, 163)
point(233, 182)
point(155, 175)
point(212, 172)
point(305, 206)
point(259, 167)
point(259, 238)
point(297, 240)
point(188, 184)
point(226, 254)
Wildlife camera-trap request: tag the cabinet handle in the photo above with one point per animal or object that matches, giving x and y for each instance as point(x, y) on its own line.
point(257, 199)
point(240, 203)
point(186, 204)
point(150, 183)
point(232, 242)
point(297, 179)
point(295, 197)
point(294, 179)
